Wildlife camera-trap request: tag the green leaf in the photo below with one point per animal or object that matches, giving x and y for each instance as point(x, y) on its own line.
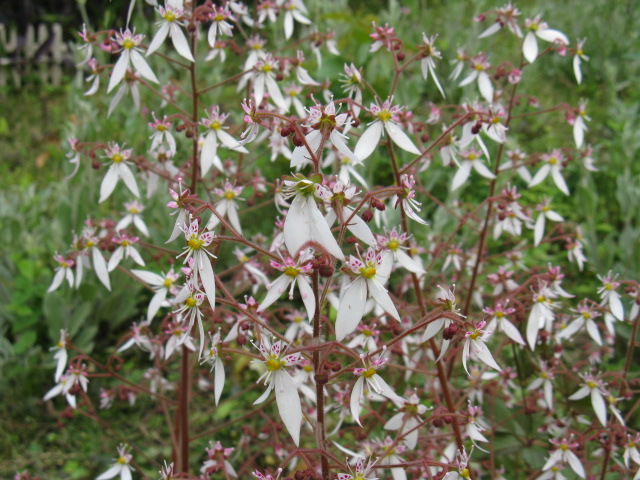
point(25, 341)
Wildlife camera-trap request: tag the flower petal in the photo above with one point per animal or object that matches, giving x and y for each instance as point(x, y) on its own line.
point(351, 308)
point(369, 140)
point(530, 47)
point(100, 267)
point(400, 138)
point(180, 42)
point(289, 405)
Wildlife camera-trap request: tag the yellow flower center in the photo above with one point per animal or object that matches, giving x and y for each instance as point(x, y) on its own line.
point(393, 245)
point(219, 18)
point(368, 373)
point(128, 44)
point(553, 161)
point(125, 243)
point(591, 385)
point(479, 67)
point(60, 345)
point(564, 447)
point(229, 195)
point(169, 16)
point(291, 272)
point(161, 128)
point(544, 375)
point(586, 315)
point(472, 156)
point(367, 333)
point(475, 335)
point(274, 364)
point(90, 243)
point(533, 27)
point(546, 208)
point(215, 125)
point(608, 286)
point(499, 314)
point(194, 243)
point(384, 115)
point(368, 272)
point(541, 299)
point(117, 158)
point(266, 68)
point(297, 319)
point(134, 210)
point(190, 302)
point(122, 460)
point(168, 283)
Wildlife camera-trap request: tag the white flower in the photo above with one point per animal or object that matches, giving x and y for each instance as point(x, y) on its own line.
point(471, 159)
point(263, 76)
point(91, 243)
point(294, 10)
point(293, 273)
point(545, 213)
point(410, 205)
point(227, 206)
point(480, 65)
point(498, 318)
point(196, 248)
point(64, 271)
point(595, 388)
point(407, 420)
point(392, 244)
point(125, 250)
point(171, 25)
point(361, 472)
point(162, 133)
point(369, 282)
point(564, 454)
point(119, 169)
point(610, 297)
point(130, 53)
point(541, 314)
point(191, 299)
point(177, 204)
point(133, 209)
point(474, 346)
point(214, 136)
point(219, 23)
point(579, 125)
point(538, 28)
point(212, 357)
point(60, 355)
point(427, 64)
point(369, 381)
point(276, 377)
point(304, 225)
point(552, 165)
point(121, 466)
point(387, 121)
point(585, 318)
point(577, 60)
point(544, 380)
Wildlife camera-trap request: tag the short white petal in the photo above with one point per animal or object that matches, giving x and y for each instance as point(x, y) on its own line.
point(351, 308)
point(395, 422)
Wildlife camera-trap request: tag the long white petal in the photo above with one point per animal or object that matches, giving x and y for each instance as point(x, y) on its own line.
point(351, 308)
point(548, 394)
point(580, 394)
point(218, 385)
point(538, 231)
point(100, 267)
point(108, 183)
point(530, 47)
point(485, 86)
point(469, 79)
point(409, 263)
point(230, 142)
point(359, 228)
point(128, 179)
point(382, 298)
point(356, 398)
point(575, 464)
point(578, 131)
point(288, 401)
point(57, 280)
point(115, 259)
point(276, 289)
point(206, 277)
point(615, 305)
point(559, 180)
point(158, 39)
point(274, 91)
point(306, 292)
point(119, 70)
point(232, 215)
point(551, 35)
point(297, 228)
point(484, 354)
point(338, 141)
point(461, 176)
point(511, 331)
point(599, 406)
point(577, 70)
point(369, 140)
point(400, 138)
point(180, 42)
point(483, 170)
point(431, 330)
point(258, 89)
point(321, 232)
point(540, 175)
point(112, 472)
point(532, 329)
point(155, 303)
point(143, 67)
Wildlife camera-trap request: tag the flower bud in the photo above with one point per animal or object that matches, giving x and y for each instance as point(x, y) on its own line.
point(297, 140)
point(367, 215)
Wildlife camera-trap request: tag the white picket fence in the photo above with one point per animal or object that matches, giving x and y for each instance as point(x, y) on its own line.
point(40, 50)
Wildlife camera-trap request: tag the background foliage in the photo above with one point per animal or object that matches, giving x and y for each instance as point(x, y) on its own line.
point(39, 209)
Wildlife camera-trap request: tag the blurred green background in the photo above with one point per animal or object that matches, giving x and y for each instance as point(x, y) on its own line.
point(39, 210)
